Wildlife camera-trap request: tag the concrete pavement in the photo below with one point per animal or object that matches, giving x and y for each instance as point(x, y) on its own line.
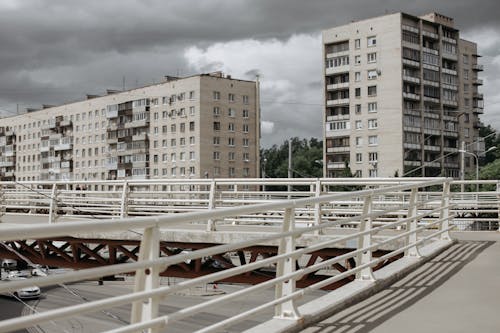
point(458, 291)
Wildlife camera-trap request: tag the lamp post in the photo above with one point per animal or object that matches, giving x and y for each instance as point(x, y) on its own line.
point(462, 172)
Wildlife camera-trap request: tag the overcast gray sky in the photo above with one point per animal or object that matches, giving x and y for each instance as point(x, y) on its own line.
point(55, 51)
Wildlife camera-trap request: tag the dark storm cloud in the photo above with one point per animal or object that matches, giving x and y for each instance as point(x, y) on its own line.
point(57, 50)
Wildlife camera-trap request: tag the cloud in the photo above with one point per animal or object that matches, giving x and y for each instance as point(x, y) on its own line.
point(92, 45)
point(289, 71)
point(267, 127)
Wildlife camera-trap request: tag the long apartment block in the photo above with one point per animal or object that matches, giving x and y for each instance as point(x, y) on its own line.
point(202, 126)
point(401, 95)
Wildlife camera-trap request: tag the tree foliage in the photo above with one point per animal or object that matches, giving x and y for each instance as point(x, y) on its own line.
point(307, 158)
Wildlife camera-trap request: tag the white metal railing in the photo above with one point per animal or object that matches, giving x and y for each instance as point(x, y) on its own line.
point(477, 209)
point(420, 223)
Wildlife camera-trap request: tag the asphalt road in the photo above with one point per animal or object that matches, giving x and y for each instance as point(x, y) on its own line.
point(11, 308)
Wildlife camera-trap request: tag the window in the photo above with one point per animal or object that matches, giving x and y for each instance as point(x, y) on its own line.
point(191, 140)
point(231, 172)
point(172, 157)
point(231, 112)
point(216, 155)
point(216, 140)
point(373, 172)
point(191, 111)
point(373, 157)
point(371, 57)
point(357, 60)
point(173, 128)
point(216, 111)
point(466, 132)
point(466, 74)
point(246, 157)
point(245, 128)
point(357, 43)
point(230, 141)
point(164, 129)
point(216, 126)
point(359, 124)
point(372, 123)
point(230, 97)
point(230, 127)
point(358, 108)
point(357, 92)
point(373, 140)
point(372, 90)
point(357, 76)
point(245, 113)
point(245, 99)
point(466, 59)
point(466, 87)
point(372, 74)
point(359, 157)
point(191, 155)
point(164, 157)
point(372, 107)
point(216, 95)
point(359, 141)
point(245, 142)
point(230, 156)
point(372, 41)
point(191, 95)
point(337, 61)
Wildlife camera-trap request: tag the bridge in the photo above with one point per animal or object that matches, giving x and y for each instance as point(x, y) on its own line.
point(345, 238)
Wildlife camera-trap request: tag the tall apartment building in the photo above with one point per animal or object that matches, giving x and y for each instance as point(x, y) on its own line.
point(401, 95)
point(203, 126)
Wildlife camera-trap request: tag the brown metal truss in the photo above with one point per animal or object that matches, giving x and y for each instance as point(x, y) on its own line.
point(77, 253)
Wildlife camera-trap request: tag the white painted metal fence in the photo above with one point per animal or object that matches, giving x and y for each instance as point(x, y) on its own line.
point(418, 225)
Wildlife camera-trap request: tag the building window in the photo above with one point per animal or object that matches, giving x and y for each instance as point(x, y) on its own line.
point(359, 157)
point(372, 123)
point(245, 128)
point(230, 97)
point(357, 43)
point(372, 41)
point(245, 113)
point(216, 140)
point(372, 90)
point(357, 76)
point(231, 112)
point(245, 142)
point(216, 95)
point(245, 99)
point(373, 173)
point(466, 87)
point(373, 140)
point(216, 125)
point(466, 59)
point(357, 108)
point(191, 94)
point(359, 141)
point(466, 74)
point(372, 57)
point(216, 111)
point(372, 74)
point(373, 157)
point(357, 92)
point(357, 60)
point(359, 124)
point(372, 107)
point(230, 156)
point(230, 127)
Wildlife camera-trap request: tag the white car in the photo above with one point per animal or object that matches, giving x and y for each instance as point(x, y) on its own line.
point(31, 292)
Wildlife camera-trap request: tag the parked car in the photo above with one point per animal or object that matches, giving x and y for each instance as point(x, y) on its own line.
point(31, 292)
point(9, 263)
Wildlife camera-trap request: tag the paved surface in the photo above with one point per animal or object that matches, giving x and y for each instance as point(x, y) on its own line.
point(458, 291)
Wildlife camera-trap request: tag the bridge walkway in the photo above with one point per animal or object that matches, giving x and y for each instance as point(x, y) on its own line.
point(458, 291)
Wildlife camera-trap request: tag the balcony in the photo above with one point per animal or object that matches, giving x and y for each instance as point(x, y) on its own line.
point(335, 86)
point(112, 165)
point(344, 149)
point(449, 40)
point(112, 141)
point(111, 114)
point(449, 71)
point(137, 123)
point(126, 165)
point(450, 149)
point(451, 134)
point(411, 79)
point(412, 63)
point(139, 164)
point(10, 151)
point(63, 146)
point(6, 163)
point(432, 148)
point(335, 70)
point(410, 28)
point(333, 102)
point(477, 82)
point(140, 137)
point(450, 102)
point(44, 148)
point(411, 96)
point(477, 67)
point(477, 96)
point(478, 109)
point(412, 145)
point(430, 34)
point(431, 99)
point(8, 174)
point(450, 56)
point(336, 165)
point(65, 123)
point(66, 165)
point(412, 163)
point(338, 117)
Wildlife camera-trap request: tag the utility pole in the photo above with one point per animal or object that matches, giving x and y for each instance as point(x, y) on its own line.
point(290, 175)
point(462, 166)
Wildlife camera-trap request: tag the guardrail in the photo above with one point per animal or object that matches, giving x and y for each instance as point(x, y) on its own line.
point(420, 224)
point(477, 208)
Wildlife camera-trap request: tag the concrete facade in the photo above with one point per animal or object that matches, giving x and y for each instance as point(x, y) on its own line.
point(401, 94)
point(203, 126)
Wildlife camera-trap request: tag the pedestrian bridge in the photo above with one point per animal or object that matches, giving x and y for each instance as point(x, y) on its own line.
point(353, 237)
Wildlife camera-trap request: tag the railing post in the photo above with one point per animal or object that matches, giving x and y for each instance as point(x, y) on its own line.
point(147, 279)
point(411, 225)
point(364, 241)
point(444, 214)
point(53, 205)
point(2, 202)
point(211, 205)
point(124, 203)
point(288, 309)
point(498, 204)
point(317, 208)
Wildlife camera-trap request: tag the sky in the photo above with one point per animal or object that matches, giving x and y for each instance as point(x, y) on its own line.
point(57, 51)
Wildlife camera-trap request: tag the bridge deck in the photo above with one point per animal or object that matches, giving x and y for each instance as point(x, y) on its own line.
point(458, 291)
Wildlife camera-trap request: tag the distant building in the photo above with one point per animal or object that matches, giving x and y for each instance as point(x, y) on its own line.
point(401, 94)
point(202, 126)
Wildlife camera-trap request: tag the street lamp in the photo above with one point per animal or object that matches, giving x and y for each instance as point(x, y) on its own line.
point(463, 151)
